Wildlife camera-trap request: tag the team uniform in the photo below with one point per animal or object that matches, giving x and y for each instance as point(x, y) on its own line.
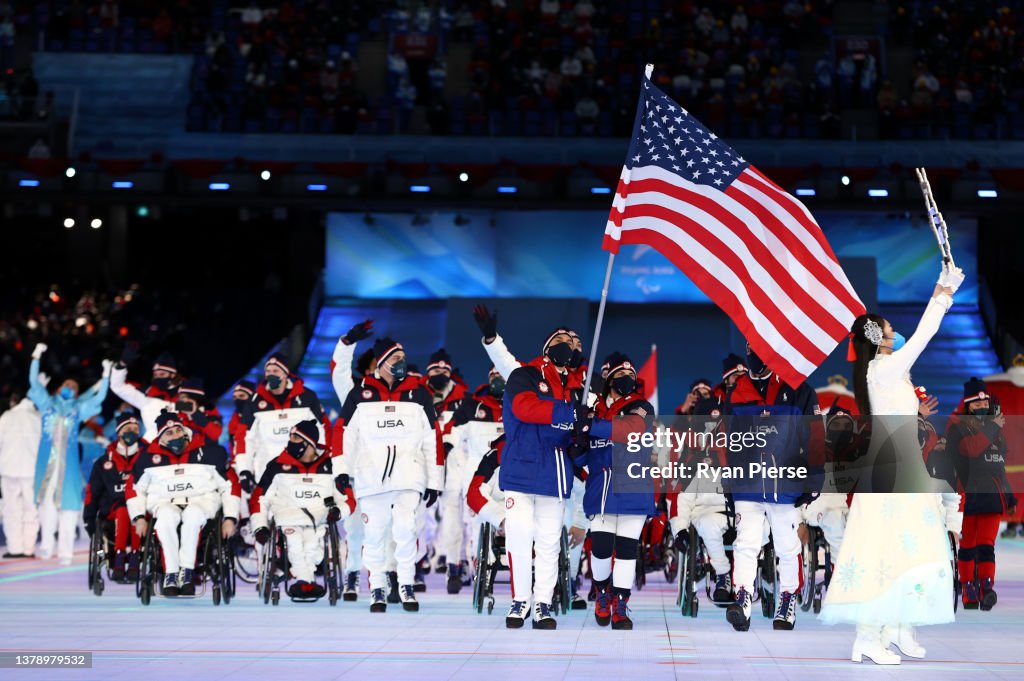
point(105, 500)
point(299, 497)
point(1008, 389)
point(754, 500)
point(186, 490)
point(20, 433)
point(391, 452)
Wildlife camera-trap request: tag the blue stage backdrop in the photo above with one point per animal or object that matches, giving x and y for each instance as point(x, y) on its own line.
point(557, 254)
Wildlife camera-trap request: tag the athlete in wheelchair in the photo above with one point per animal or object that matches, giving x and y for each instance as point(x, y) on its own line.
point(114, 546)
point(294, 512)
point(487, 502)
point(179, 484)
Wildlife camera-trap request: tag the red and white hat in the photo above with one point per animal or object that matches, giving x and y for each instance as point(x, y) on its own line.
point(306, 431)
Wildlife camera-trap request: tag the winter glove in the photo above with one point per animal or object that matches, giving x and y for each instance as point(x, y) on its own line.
point(333, 512)
point(579, 446)
point(342, 482)
point(430, 497)
point(262, 535)
point(951, 278)
point(683, 541)
point(38, 350)
point(90, 527)
point(129, 354)
point(360, 331)
point(200, 419)
point(805, 499)
point(107, 366)
point(247, 480)
point(487, 321)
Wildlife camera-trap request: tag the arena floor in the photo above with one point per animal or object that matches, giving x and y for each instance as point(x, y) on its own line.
point(47, 608)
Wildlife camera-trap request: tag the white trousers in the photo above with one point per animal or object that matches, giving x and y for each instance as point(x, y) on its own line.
point(624, 571)
point(784, 520)
point(533, 527)
point(426, 530)
point(192, 518)
point(305, 547)
point(56, 524)
point(354, 535)
point(452, 529)
point(390, 516)
point(21, 519)
point(711, 527)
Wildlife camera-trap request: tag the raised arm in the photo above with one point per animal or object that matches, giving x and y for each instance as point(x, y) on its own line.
point(127, 392)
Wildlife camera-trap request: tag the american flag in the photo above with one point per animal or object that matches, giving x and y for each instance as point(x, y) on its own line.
point(746, 243)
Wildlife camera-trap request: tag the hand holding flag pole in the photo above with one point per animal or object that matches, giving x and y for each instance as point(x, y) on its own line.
point(935, 219)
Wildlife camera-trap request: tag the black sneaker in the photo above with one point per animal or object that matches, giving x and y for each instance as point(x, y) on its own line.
point(186, 583)
point(442, 564)
point(542, 617)
point(351, 592)
point(785, 613)
point(454, 578)
point(516, 615)
point(988, 595)
point(393, 595)
point(409, 602)
point(377, 601)
point(170, 585)
point(578, 602)
point(723, 589)
point(738, 614)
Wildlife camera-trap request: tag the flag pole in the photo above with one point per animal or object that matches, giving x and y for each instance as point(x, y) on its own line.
point(648, 70)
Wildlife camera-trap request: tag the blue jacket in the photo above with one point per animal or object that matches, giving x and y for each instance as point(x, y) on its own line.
point(58, 413)
point(794, 438)
point(609, 488)
point(538, 414)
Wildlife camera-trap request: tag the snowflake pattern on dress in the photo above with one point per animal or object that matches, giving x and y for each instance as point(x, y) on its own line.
point(884, 571)
point(849, 574)
point(888, 509)
point(930, 517)
point(909, 542)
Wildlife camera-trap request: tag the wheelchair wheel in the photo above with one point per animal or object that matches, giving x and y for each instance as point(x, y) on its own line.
point(332, 564)
point(95, 576)
point(671, 556)
point(146, 587)
point(265, 584)
point(809, 557)
point(480, 574)
point(246, 559)
point(768, 579)
point(641, 566)
point(564, 585)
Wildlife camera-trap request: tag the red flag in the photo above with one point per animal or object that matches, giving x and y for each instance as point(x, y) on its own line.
point(747, 244)
point(648, 376)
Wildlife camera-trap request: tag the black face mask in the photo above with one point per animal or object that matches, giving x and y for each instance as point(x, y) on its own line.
point(162, 383)
point(439, 381)
point(239, 404)
point(755, 363)
point(497, 386)
point(560, 354)
point(576, 361)
point(296, 449)
point(273, 381)
point(624, 385)
point(178, 444)
point(185, 406)
point(129, 438)
point(841, 441)
point(986, 411)
point(399, 370)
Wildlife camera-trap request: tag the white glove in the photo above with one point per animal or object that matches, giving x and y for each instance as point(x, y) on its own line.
point(951, 278)
point(107, 366)
point(38, 350)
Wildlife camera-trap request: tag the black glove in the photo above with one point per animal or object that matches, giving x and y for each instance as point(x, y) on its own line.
point(247, 481)
point(90, 527)
point(683, 541)
point(333, 513)
point(430, 497)
point(486, 320)
point(581, 418)
point(342, 482)
point(200, 419)
point(262, 535)
point(580, 444)
point(129, 354)
point(360, 331)
point(805, 499)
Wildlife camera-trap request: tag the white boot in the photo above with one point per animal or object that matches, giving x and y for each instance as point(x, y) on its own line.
point(902, 636)
point(869, 643)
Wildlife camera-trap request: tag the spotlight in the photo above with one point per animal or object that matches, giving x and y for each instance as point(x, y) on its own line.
point(878, 193)
point(69, 222)
point(600, 190)
point(805, 192)
point(988, 194)
point(122, 184)
point(420, 188)
point(70, 172)
point(316, 187)
point(845, 179)
point(219, 186)
point(265, 175)
point(96, 223)
point(28, 183)
point(507, 190)
point(142, 211)
point(463, 177)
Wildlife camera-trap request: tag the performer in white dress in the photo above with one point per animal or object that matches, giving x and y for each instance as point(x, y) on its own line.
point(894, 570)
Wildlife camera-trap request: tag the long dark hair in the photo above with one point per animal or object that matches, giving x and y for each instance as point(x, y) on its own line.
point(864, 351)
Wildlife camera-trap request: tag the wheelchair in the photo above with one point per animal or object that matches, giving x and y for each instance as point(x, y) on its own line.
point(275, 571)
point(816, 556)
point(101, 555)
point(214, 565)
point(491, 559)
point(656, 552)
point(958, 587)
